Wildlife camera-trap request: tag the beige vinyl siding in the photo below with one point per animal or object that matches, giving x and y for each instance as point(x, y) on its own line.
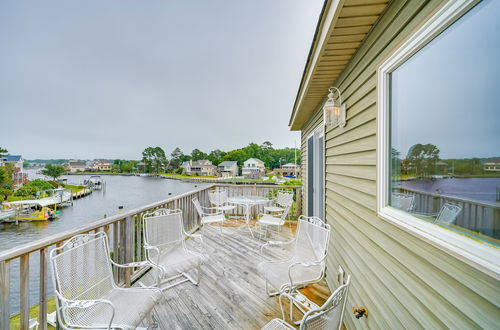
point(404, 281)
point(312, 124)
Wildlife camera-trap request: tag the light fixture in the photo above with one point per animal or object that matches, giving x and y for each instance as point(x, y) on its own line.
point(334, 111)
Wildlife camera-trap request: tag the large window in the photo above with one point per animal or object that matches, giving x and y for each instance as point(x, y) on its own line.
point(441, 127)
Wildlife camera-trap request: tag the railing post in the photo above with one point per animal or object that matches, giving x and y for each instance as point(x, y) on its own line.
point(24, 291)
point(298, 202)
point(5, 295)
point(116, 250)
point(42, 318)
point(129, 241)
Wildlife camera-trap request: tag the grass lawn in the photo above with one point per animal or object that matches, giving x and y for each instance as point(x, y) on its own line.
point(73, 187)
point(12, 198)
point(15, 320)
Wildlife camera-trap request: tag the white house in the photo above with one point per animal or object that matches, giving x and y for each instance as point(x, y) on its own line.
point(201, 167)
point(186, 166)
point(76, 166)
point(253, 168)
point(288, 170)
point(17, 161)
point(101, 165)
point(228, 169)
point(492, 167)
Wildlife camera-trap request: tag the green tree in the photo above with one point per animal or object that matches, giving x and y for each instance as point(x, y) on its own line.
point(423, 158)
point(197, 154)
point(215, 156)
point(155, 159)
point(3, 152)
point(6, 186)
point(175, 158)
point(126, 167)
point(53, 171)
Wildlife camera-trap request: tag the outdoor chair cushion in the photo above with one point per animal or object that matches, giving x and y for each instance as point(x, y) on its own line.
point(126, 314)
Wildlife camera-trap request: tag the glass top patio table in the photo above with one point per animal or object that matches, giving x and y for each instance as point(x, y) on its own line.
point(243, 200)
point(247, 202)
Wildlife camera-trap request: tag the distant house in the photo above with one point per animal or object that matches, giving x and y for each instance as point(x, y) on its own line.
point(17, 161)
point(186, 166)
point(141, 167)
point(74, 166)
point(201, 167)
point(492, 167)
point(101, 166)
point(290, 170)
point(253, 168)
point(228, 169)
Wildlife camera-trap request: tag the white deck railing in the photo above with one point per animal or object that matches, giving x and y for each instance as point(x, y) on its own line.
point(477, 216)
point(126, 245)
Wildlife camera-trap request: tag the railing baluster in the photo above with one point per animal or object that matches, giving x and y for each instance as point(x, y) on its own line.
point(115, 249)
point(24, 282)
point(42, 317)
point(129, 241)
point(5, 294)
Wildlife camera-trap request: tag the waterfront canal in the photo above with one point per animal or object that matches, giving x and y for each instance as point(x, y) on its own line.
point(127, 191)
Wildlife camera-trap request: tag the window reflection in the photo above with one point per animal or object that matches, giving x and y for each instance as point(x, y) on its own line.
point(445, 128)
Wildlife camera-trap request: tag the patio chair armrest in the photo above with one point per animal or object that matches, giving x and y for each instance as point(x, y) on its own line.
point(134, 264)
point(83, 304)
point(303, 264)
point(212, 214)
point(196, 237)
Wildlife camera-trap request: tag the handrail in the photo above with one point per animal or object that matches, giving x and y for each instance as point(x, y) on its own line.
point(53, 239)
point(454, 198)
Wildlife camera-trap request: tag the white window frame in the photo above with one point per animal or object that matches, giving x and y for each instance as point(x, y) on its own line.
point(479, 255)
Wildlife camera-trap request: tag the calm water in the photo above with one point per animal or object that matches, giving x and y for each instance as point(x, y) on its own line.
point(478, 189)
point(129, 192)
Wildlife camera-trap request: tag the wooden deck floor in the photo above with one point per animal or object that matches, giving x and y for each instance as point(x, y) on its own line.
point(231, 294)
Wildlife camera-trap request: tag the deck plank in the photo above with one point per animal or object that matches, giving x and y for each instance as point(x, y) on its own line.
point(231, 294)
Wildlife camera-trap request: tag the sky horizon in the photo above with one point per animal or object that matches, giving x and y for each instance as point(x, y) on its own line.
point(106, 80)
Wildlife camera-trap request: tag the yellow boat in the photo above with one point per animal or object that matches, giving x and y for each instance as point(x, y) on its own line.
point(32, 210)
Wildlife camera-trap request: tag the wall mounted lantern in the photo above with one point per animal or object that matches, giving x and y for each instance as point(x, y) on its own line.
point(334, 111)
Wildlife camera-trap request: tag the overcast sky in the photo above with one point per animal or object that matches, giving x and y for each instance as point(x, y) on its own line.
point(92, 79)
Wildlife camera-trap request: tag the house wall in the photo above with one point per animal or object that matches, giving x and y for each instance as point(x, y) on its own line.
point(402, 280)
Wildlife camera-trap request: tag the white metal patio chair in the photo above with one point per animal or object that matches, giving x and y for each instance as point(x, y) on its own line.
point(219, 198)
point(209, 218)
point(306, 265)
point(405, 202)
point(86, 293)
point(284, 199)
point(448, 214)
point(165, 244)
point(275, 219)
point(329, 316)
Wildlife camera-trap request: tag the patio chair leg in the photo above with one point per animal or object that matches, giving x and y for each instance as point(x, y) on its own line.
point(271, 294)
